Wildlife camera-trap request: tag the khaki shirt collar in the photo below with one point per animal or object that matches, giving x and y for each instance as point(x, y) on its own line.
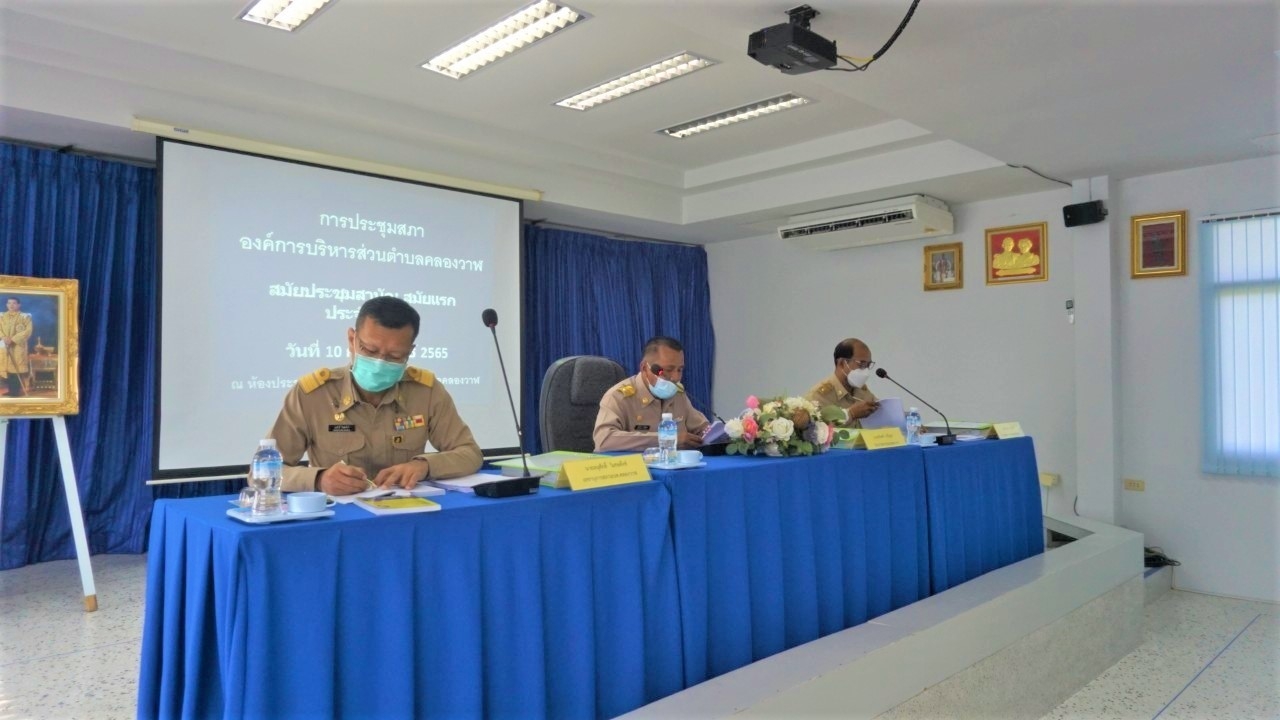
point(838, 382)
point(643, 395)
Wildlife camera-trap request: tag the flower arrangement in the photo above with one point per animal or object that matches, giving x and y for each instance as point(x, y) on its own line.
point(782, 426)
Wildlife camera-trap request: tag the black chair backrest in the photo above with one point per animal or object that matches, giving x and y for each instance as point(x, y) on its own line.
point(571, 392)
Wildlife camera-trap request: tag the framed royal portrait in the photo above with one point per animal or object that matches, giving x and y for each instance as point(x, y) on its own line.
point(39, 346)
point(1158, 244)
point(1017, 254)
point(944, 266)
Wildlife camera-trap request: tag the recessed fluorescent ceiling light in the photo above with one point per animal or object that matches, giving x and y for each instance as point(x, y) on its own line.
point(519, 30)
point(729, 117)
point(659, 72)
point(288, 15)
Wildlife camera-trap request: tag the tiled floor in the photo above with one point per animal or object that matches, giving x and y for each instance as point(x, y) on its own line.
point(56, 660)
point(1202, 657)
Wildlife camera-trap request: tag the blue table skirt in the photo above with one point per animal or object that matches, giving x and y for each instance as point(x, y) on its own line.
point(775, 552)
point(555, 605)
point(984, 508)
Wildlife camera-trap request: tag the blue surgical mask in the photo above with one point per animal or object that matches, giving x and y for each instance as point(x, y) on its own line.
point(376, 375)
point(664, 389)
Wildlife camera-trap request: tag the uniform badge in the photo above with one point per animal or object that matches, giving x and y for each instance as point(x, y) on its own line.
point(346, 399)
point(401, 424)
point(627, 390)
point(342, 428)
point(645, 401)
point(397, 439)
point(418, 421)
point(642, 428)
point(339, 417)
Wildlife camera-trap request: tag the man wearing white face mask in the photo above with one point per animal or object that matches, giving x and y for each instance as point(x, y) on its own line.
point(631, 410)
point(369, 423)
point(847, 386)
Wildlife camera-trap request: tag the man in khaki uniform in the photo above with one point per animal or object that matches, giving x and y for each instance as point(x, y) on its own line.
point(846, 388)
point(370, 422)
point(15, 332)
point(631, 410)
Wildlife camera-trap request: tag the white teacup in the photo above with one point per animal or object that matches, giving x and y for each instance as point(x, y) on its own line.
point(306, 502)
point(689, 457)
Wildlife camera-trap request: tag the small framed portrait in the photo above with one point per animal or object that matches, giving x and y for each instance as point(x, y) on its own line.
point(1158, 244)
point(39, 346)
point(1018, 253)
point(944, 266)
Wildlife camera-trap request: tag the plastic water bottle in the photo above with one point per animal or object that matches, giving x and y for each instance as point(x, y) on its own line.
point(265, 474)
point(913, 426)
point(668, 436)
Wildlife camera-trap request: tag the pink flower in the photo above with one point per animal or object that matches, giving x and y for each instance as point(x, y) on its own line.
point(750, 428)
point(753, 402)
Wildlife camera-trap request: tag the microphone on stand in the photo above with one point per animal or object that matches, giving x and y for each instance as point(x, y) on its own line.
point(528, 484)
point(947, 439)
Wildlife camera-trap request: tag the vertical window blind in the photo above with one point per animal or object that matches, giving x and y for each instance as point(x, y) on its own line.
point(1240, 281)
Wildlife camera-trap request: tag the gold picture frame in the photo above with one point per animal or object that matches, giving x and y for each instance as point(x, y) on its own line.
point(944, 266)
point(1018, 254)
point(1158, 244)
point(39, 346)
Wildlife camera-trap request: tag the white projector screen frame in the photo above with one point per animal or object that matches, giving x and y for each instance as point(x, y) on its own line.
point(262, 264)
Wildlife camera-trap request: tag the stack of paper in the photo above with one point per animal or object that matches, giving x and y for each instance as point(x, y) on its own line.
point(467, 483)
point(544, 464)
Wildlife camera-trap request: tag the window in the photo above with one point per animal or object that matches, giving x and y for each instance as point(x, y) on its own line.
point(1240, 280)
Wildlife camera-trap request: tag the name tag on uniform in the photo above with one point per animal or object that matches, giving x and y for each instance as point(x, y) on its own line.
point(642, 428)
point(342, 428)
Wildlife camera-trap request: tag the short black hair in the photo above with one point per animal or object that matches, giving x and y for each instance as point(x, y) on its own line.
point(844, 349)
point(389, 312)
point(657, 341)
point(15, 299)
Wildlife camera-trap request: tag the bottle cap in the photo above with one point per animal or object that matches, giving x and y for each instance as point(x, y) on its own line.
point(666, 416)
point(267, 442)
point(915, 410)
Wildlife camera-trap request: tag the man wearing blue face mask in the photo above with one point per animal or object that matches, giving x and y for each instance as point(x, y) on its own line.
point(846, 388)
point(631, 410)
point(370, 422)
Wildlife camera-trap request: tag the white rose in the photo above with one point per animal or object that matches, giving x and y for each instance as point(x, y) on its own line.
point(781, 429)
point(771, 407)
point(821, 433)
point(733, 428)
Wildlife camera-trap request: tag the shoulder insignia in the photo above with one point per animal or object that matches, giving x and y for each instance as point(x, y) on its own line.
point(418, 375)
point(627, 390)
point(679, 387)
point(824, 388)
point(314, 380)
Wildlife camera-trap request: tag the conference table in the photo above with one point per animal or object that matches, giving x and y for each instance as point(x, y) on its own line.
point(557, 605)
point(565, 604)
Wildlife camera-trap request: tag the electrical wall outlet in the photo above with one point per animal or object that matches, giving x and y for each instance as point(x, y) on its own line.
point(1135, 485)
point(1048, 479)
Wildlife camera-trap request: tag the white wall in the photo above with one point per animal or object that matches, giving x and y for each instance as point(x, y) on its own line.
point(978, 353)
point(1007, 353)
point(1222, 528)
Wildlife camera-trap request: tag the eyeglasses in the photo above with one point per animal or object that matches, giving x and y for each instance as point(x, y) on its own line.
point(397, 358)
point(864, 364)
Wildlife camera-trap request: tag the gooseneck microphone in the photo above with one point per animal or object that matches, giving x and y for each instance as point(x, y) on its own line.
point(527, 484)
point(947, 439)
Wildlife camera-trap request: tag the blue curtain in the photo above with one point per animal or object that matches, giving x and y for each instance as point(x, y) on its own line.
point(590, 295)
point(66, 216)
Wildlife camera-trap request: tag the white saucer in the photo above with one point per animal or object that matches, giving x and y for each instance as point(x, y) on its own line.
point(678, 466)
point(243, 515)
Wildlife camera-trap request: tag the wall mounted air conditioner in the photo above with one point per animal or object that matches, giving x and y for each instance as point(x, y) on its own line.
point(883, 221)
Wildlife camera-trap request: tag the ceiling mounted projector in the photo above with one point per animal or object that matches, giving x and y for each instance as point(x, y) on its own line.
point(792, 47)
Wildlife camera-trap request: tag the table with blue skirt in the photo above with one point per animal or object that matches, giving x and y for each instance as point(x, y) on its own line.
point(563, 604)
point(553, 605)
point(775, 552)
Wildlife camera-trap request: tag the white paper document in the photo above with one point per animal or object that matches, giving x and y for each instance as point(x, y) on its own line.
point(714, 433)
point(889, 414)
point(420, 490)
point(467, 483)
